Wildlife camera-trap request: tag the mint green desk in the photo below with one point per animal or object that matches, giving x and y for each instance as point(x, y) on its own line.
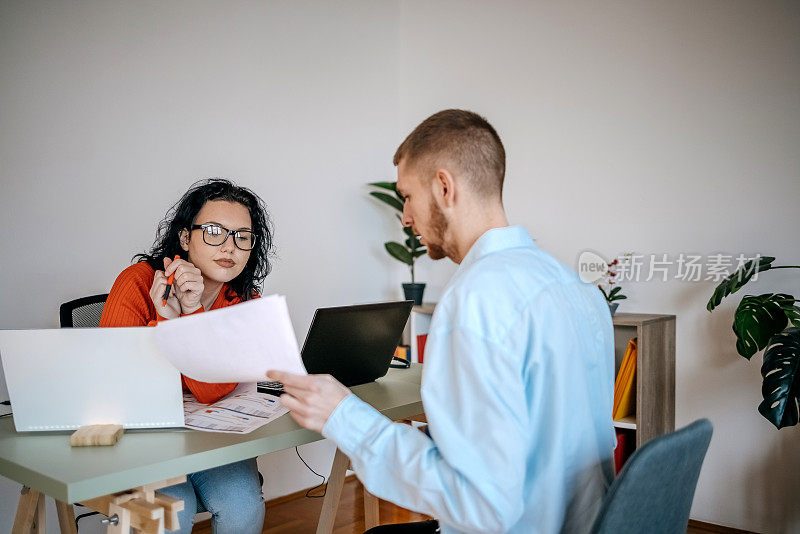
point(47, 463)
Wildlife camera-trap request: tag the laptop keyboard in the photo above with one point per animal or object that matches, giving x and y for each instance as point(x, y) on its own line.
point(272, 385)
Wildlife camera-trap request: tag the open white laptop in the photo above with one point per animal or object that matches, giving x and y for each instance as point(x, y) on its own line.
point(61, 379)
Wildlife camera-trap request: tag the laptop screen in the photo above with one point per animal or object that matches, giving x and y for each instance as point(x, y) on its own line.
point(355, 344)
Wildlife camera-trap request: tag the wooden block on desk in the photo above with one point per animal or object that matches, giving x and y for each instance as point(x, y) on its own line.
point(90, 435)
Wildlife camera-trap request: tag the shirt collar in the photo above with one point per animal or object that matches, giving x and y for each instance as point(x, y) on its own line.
point(496, 240)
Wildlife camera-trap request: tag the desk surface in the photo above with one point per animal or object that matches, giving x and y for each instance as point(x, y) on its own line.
point(47, 463)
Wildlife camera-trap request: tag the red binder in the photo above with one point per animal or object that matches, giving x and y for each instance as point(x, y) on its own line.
point(421, 339)
point(626, 443)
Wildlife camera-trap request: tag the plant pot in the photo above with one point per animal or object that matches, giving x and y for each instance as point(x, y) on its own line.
point(414, 292)
point(612, 307)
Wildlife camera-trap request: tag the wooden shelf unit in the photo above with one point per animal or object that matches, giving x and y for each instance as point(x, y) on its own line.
point(655, 371)
point(626, 422)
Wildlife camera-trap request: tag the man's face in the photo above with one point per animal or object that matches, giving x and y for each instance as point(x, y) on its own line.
point(421, 212)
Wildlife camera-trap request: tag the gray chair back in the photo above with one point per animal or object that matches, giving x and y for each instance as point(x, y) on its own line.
point(83, 312)
point(654, 491)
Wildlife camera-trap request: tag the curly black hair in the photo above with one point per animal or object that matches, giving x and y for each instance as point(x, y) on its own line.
point(182, 216)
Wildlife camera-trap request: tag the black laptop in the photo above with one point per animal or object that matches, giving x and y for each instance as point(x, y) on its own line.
point(354, 344)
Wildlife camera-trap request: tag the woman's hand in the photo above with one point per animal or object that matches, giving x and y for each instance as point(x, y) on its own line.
point(187, 285)
point(173, 307)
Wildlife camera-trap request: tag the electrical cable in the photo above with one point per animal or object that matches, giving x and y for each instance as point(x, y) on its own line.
point(320, 476)
point(8, 403)
point(87, 514)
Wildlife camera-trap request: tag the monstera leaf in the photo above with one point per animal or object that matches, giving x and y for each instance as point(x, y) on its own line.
point(757, 319)
point(792, 313)
point(734, 282)
point(781, 372)
point(759, 323)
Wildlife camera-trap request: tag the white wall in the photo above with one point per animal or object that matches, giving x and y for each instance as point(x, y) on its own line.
point(654, 127)
point(647, 126)
point(110, 110)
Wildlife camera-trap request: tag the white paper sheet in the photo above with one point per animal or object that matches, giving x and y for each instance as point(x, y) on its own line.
point(235, 344)
point(240, 412)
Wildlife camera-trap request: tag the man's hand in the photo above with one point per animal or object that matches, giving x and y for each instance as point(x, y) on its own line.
point(311, 399)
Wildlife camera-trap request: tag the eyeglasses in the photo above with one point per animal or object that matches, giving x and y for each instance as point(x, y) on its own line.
point(215, 235)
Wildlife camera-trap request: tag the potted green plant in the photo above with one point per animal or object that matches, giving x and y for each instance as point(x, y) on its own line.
point(406, 252)
point(610, 292)
point(760, 322)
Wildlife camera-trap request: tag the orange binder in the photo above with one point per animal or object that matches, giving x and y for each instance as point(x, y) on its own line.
point(625, 384)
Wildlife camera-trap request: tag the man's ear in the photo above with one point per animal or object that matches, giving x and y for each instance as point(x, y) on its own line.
point(444, 185)
point(183, 237)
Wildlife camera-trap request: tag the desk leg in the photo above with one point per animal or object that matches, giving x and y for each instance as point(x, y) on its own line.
point(40, 524)
point(333, 491)
point(30, 513)
point(66, 518)
point(371, 510)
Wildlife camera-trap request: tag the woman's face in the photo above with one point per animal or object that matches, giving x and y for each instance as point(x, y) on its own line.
point(220, 263)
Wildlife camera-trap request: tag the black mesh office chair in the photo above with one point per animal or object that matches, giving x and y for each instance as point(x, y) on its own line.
point(84, 312)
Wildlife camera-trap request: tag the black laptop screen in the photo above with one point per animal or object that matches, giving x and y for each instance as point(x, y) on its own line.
point(355, 344)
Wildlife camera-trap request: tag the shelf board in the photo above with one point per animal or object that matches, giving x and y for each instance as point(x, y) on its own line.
point(626, 422)
point(619, 319)
point(638, 319)
point(426, 308)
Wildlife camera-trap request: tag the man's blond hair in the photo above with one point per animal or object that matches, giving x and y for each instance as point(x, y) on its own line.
point(462, 142)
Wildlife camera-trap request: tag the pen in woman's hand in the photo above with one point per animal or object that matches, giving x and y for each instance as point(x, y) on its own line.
point(170, 280)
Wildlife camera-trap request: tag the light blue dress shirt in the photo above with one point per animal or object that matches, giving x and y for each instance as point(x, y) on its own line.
point(517, 388)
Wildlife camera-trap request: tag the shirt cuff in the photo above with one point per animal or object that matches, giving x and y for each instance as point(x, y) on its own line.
point(351, 422)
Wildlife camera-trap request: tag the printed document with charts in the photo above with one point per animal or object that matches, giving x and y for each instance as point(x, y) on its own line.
point(240, 412)
point(234, 344)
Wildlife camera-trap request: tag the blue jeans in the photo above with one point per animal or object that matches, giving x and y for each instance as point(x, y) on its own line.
point(231, 493)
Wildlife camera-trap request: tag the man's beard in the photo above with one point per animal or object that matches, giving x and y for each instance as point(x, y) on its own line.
point(438, 227)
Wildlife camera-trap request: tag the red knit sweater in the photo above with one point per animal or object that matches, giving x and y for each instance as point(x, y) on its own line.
point(129, 304)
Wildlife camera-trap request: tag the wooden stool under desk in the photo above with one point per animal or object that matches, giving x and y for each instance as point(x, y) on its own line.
point(138, 510)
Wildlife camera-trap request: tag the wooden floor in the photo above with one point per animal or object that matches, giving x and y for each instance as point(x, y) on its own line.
point(296, 514)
